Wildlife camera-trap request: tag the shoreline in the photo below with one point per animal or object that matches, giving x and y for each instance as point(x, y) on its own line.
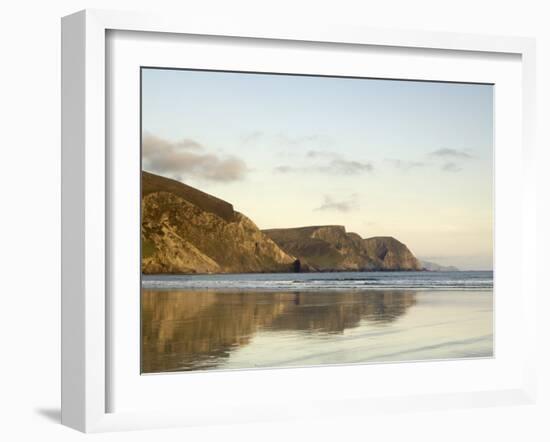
point(328, 281)
point(253, 290)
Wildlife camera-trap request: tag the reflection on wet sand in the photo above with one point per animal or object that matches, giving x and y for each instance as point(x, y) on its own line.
point(190, 330)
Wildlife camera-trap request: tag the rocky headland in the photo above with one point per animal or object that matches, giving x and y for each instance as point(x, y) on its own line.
point(331, 248)
point(185, 230)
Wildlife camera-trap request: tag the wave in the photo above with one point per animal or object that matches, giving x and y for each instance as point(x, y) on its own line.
point(304, 282)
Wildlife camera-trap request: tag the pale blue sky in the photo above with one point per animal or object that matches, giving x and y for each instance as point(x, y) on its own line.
point(408, 159)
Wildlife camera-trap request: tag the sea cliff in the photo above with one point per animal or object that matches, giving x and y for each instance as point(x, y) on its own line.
point(185, 230)
point(331, 248)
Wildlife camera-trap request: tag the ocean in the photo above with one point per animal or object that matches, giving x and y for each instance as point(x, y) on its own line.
point(244, 321)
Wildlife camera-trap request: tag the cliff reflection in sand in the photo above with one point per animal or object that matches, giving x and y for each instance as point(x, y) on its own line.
point(197, 330)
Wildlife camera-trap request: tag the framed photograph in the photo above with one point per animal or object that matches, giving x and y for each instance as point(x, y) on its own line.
point(267, 223)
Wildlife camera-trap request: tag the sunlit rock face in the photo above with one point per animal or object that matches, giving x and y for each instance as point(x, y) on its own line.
point(185, 230)
point(331, 248)
point(389, 254)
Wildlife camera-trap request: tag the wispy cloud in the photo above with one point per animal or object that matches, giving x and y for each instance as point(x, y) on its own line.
point(287, 169)
point(336, 167)
point(291, 169)
point(189, 158)
point(328, 162)
point(405, 165)
point(321, 154)
point(293, 140)
point(451, 167)
point(331, 204)
point(348, 167)
point(452, 159)
point(290, 143)
point(451, 153)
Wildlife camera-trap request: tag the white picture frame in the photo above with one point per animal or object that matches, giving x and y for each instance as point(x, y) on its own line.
point(86, 352)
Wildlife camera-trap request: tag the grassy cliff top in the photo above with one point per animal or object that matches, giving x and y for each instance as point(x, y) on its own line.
point(151, 183)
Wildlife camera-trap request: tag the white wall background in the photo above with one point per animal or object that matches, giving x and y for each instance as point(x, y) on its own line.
point(30, 215)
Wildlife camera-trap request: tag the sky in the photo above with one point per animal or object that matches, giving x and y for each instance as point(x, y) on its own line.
point(408, 159)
